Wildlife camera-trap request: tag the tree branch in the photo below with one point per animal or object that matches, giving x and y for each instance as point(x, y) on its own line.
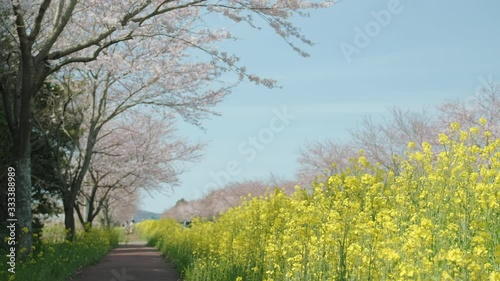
point(39, 18)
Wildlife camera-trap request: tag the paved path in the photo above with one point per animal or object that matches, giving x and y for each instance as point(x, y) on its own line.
point(134, 261)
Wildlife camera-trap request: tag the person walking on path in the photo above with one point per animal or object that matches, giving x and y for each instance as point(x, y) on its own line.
point(132, 227)
point(127, 227)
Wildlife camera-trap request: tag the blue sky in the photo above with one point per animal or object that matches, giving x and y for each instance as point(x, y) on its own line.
point(428, 51)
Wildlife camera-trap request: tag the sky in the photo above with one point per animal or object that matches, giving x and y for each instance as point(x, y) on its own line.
point(368, 56)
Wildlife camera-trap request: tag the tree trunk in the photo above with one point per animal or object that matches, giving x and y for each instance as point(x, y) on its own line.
point(21, 135)
point(72, 192)
point(91, 215)
point(23, 202)
point(69, 219)
point(90, 219)
point(18, 110)
point(90, 209)
point(106, 214)
point(79, 213)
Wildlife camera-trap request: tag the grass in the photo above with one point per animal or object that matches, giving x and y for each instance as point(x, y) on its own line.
point(58, 260)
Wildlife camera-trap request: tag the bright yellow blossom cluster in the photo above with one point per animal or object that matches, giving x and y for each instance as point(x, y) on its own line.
point(437, 218)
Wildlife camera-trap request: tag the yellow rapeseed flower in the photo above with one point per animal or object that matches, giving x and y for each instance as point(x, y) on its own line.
point(482, 122)
point(455, 126)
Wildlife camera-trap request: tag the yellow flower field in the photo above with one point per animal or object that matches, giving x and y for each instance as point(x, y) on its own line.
point(437, 218)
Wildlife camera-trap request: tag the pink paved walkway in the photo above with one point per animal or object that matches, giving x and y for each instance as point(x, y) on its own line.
point(133, 262)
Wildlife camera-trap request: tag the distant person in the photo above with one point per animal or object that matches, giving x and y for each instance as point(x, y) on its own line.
point(127, 227)
point(132, 227)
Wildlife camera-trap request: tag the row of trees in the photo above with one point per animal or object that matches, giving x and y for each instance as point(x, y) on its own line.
point(219, 201)
point(131, 153)
point(381, 142)
point(102, 60)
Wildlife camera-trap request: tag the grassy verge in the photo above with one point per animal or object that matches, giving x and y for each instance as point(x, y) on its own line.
point(57, 261)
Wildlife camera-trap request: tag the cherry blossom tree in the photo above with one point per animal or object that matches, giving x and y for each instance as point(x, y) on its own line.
point(50, 35)
point(380, 142)
point(134, 153)
point(232, 195)
point(322, 159)
point(183, 211)
point(118, 206)
point(384, 141)
point(98, 102)
point(485, 103)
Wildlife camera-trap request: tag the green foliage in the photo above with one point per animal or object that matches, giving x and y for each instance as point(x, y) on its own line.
point(45, 181)
point(56, 261)
point(54, 233)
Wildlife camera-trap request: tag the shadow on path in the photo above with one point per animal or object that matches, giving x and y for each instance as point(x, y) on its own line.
point(134, 261)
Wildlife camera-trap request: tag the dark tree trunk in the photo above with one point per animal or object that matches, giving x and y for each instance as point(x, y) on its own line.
point(18, 90)
point(90, 218)
point(17, 97)
point(21, 135)
point(79, 213)
point(106, 213)
point(23, 202)
point(69, 219)
point(72, 190)
point(90, 208)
